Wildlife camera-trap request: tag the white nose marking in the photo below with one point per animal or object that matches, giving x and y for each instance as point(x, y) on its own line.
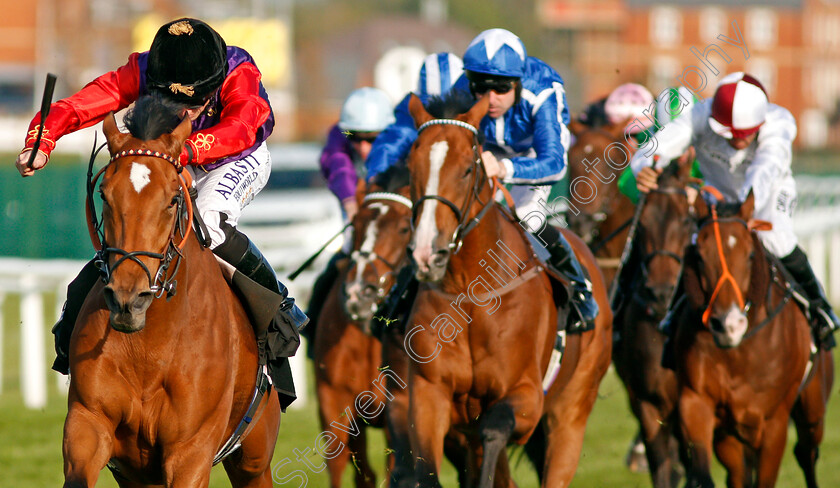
point(427, 227)
point(732, 241)
point(139, 176)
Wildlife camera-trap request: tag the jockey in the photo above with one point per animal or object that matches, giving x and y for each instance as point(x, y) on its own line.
point(366, 112)
point(526, 140)
point(744, 143)
point(220, 90)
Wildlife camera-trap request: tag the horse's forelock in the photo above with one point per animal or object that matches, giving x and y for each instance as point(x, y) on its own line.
point(450, 105)
point(152, 116)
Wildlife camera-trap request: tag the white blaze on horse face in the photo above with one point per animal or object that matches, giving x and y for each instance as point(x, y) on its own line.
point(732, 241)
point(139, 176)
point(427, 227)
point(365, 255)
point(734, 327)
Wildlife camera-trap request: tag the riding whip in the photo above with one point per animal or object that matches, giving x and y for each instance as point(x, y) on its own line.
point(46, 100)
point(312, 258)
point(628, 244)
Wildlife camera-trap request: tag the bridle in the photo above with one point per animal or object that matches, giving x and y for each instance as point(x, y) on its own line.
point(370, 256)
point(464, 226)
point(726, 276)
point(163, 281)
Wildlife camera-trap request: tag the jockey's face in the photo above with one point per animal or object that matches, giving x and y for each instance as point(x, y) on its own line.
point(499, 102)
point(194, 112)
point(742, 142)
point(362, 142)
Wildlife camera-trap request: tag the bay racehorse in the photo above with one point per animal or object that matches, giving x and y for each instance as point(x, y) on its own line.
point(484, 321)
point(665, 227)
point(344, 341)
point(157, 385)
point(744, 357)
point(598, 212)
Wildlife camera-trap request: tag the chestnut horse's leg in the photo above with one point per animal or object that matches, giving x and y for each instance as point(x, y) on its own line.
point(430, 418)
point(657, 432)
point(402, 471)
point(772, 448)
point(730, 452)
point(697, 423)
point(250, 465)
point(88, 445)
point(335, 403)
point(809, 416)
point(365, 477)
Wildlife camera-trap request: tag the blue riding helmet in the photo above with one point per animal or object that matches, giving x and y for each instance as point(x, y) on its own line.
point(438, 73)
point(496, 52)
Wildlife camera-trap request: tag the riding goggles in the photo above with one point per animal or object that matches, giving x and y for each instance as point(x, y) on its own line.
point(361, 136)
point(480, 87)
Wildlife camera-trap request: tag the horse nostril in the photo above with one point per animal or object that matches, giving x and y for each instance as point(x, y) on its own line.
point(110, 299)
point(142, 302)
point(440, 258)
point(716, 324)
point(369, 291)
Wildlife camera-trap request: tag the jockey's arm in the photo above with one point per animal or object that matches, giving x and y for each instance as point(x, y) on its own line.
point(110, 92)
point(772, 158)
point(394, 143)
point(667, 144)
point(337, 165)
point(243, 112)
point(551, 140)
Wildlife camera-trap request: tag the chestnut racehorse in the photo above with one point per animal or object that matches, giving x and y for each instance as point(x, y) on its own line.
point(665, 227)
point(344, 342)
point(484, 321)
point(742, 352)
point(598, 212)
point(158, 385)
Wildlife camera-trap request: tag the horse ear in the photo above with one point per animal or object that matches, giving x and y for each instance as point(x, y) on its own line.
point(685, 162)
point(112, 133)
point(476, 113)
point(576, 127)
point(418, 111)
point(183, 131)
point(701, 208)
point(748, 207)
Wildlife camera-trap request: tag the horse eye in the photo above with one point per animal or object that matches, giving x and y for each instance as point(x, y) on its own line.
point(174, 201)
point(468, 171)
point(405, 230)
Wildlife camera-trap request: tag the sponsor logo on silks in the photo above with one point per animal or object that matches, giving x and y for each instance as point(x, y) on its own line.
point(237, 177)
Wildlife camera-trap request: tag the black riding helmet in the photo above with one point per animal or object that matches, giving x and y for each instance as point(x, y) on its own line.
point(187, 61)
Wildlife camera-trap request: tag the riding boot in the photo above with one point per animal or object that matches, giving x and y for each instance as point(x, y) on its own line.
point(564, 261)
point(320, 290)
point(77, 291)
point(399, 301)
point(823, 320)
point(255, 266)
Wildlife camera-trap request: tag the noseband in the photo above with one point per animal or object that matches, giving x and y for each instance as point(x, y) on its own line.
point(162, 282)
point(371, 256)
point(463, 227)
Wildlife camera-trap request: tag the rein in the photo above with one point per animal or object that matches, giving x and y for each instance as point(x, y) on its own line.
point(463, 228)
point(163, 281)
point(726, 275)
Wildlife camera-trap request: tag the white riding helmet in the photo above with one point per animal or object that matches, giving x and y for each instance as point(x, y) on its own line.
point(366, 110)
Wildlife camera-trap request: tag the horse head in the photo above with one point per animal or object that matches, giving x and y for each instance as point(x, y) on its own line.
point(382, 233)
point(665, 226)
point(144, 224)
point(447, 176)
point(596, 160)
point(726, 271)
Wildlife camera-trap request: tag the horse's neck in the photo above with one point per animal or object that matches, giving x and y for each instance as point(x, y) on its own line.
point(496, 242)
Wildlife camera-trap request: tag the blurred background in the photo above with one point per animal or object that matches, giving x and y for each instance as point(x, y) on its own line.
point(312, 54)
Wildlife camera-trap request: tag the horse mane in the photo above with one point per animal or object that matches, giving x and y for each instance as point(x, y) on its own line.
point(152, 116)
point(394, 178)
point(450, 104)
point(728, 209)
